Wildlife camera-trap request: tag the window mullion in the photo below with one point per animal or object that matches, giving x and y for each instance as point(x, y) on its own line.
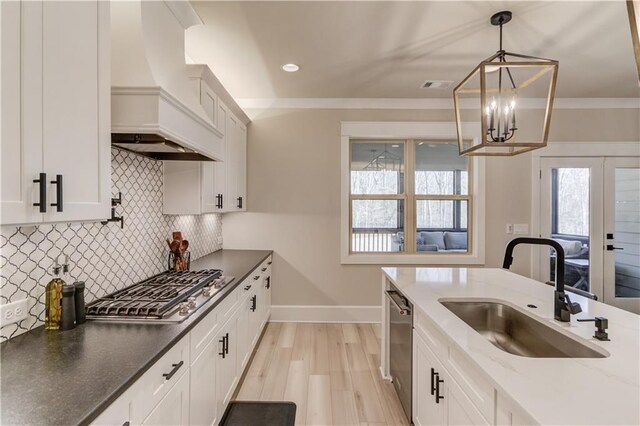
point(410, 205)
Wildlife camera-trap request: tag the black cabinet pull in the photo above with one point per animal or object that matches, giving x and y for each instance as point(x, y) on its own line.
point(268, 284)
point(59, 203)
point(239, 202)
point(438, 381)
point(223, 353)
point(263, 269)
point(269, 263)
point(254, 302)
point(42, 196)
point(226, 347)
point(173, 371)
point(255, 277)
point(247, 287)
point(219, 201)
point(433, 384)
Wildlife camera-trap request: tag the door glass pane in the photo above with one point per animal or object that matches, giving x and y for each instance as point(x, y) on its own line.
point(377, 167)
point(627, 232)
point(570, 223)
point(440, 170)
point(377, 226)
point(442, 226)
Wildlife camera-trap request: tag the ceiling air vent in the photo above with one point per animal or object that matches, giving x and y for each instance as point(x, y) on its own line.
point(437, 84)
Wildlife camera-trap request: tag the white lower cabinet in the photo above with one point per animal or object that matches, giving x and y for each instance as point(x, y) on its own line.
point(226, 365)
point(173, 409)
point(203, 386)
point(437, 398)
point(194, 381)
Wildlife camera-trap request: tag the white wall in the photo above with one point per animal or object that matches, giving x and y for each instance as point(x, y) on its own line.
point(294, 196)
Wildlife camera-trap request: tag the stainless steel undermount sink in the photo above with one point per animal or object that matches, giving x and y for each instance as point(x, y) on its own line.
point(514, 332)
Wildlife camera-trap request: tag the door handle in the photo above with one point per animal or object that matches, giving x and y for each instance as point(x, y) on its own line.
point(42, 196)
point(222, 354)
point(173, 371)
point(438, 381)
point(610, 247)
point(403, 310)
point(433, 382)
point(59, 203)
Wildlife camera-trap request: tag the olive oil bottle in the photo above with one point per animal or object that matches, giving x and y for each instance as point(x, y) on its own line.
point(53, 303)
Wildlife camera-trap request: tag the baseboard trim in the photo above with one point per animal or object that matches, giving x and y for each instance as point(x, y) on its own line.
point(319, 313)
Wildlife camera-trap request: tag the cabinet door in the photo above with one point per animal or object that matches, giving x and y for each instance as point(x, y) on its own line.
point(76, 121)
point(244, 337)
point(266, 304)
point(173, 409)
point(220, 167)
point(21, 131)
point(241, 164)
point(231, 158)
point(203, 407)
point(118, 413)
point(255, 319)
point(226, 367)
point(209, 101)
point(425, 409)
point(460, 410)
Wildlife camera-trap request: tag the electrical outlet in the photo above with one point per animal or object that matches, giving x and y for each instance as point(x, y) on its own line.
point(13, 312)
point(509, 229)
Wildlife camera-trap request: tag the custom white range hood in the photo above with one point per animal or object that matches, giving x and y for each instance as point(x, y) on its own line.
point(155, 110)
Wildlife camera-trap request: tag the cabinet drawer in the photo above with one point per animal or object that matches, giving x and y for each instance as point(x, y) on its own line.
point(202, 333)
point(224, 308)
point(154, 385)
point(436, 341)
point(475, 387)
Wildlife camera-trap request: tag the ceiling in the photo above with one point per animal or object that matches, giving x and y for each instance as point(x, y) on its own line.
point(382, 49)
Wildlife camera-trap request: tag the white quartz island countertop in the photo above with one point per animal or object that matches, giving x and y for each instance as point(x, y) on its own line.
point(603, 391)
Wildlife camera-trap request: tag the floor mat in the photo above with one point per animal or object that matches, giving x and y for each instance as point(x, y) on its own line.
point(247, 413)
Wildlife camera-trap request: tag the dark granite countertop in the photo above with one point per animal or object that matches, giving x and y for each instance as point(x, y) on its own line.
point(65, 378)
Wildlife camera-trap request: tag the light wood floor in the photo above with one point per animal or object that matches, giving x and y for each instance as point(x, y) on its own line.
point(331, 372)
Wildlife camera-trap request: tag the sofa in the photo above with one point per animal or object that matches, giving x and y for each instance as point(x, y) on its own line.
point(436, 241)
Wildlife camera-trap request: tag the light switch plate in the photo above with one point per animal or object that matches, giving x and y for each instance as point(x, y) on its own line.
point(13, 312)
point(521, 229)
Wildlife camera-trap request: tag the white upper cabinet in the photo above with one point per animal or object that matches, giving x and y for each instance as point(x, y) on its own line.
point(55, 112)
point(210, 186)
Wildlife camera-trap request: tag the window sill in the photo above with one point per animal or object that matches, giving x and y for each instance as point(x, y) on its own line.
point(412, 259)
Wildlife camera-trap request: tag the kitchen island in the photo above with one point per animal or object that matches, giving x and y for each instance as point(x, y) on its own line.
point(491, 386)
point(70, 377)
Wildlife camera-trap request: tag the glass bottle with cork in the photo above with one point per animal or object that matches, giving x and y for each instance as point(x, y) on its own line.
point(53, 301)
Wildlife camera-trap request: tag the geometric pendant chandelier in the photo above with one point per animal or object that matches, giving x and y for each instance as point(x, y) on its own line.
point(492, 94)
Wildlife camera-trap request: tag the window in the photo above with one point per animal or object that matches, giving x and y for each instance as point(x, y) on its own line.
point(408, 196)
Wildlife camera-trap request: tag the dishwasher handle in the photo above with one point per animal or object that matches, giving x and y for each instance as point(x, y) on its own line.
point(402, 304)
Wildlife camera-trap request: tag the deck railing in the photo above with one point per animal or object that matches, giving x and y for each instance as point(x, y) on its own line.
point(373, 240)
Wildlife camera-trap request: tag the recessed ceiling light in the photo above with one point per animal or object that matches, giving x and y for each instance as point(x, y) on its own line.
point(290, 67)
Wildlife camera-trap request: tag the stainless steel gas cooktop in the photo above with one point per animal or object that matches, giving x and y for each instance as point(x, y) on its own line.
point(167, 297)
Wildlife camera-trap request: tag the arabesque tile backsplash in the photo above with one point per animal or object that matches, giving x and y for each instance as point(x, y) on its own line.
point(106, 257)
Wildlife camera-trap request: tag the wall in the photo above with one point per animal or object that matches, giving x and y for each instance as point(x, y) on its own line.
point(294, 196)
point(106, 257)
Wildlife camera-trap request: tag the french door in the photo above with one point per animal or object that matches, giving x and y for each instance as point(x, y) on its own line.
point(622, 233)
point(591, 206)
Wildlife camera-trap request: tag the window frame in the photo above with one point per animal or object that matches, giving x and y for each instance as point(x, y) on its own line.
point(411, 133)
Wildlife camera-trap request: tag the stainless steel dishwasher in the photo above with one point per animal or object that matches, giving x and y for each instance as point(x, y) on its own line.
point(400, 346)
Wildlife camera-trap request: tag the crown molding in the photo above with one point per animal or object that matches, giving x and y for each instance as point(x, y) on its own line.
point(430, 103)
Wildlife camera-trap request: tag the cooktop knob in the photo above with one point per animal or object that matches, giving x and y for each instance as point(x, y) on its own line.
point(191, 302)
point(183, 309)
